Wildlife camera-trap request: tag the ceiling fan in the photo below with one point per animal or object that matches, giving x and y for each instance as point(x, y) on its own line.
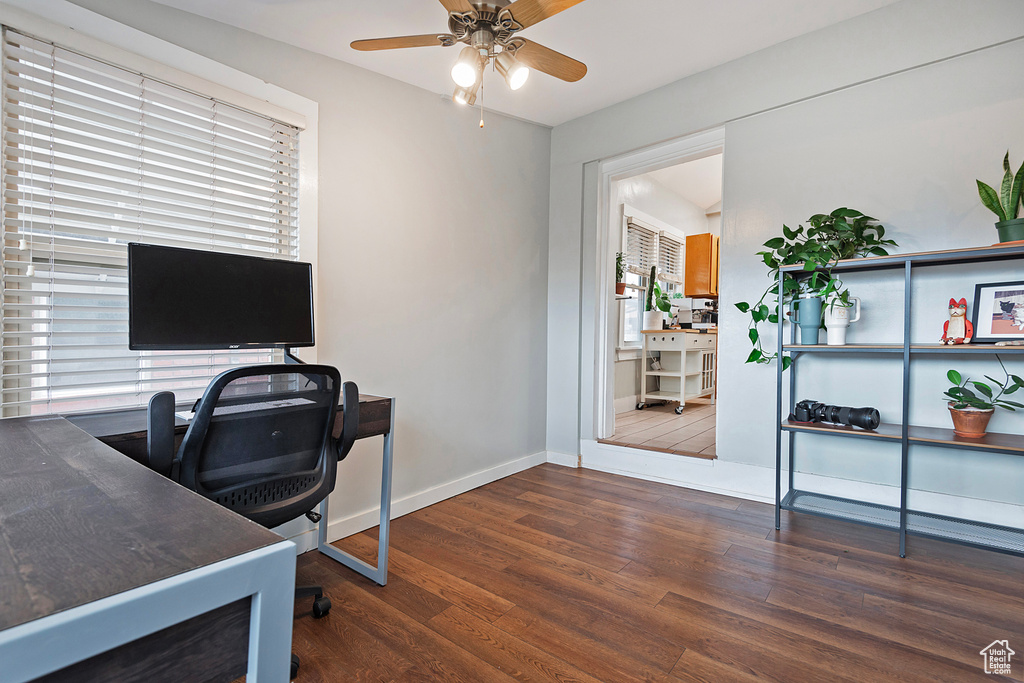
point(490, 29)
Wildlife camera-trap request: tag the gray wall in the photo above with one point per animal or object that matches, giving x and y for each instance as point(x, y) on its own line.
point(432, 256)
point(807, 129)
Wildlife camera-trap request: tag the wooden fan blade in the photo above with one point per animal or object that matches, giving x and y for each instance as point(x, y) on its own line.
point(536, 56)
point(457, 5)
point(529, 12)
point(401, 41)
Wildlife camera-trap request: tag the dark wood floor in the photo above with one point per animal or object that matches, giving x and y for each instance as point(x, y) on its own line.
point(557, 574)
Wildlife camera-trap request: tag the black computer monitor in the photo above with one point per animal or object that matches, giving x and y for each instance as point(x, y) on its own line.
point(193, 299)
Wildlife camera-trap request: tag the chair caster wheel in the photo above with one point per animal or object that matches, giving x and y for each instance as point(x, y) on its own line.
point(321, 606)
point(641, 406)
point(679, 410)
point(295, 667)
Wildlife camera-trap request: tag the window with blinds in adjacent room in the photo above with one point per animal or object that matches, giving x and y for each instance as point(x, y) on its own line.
point(670, 259)
point(641, 248)
point(95, 157)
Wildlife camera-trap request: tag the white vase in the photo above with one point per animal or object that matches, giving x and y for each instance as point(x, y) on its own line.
point(653, 320)
point(838, 319)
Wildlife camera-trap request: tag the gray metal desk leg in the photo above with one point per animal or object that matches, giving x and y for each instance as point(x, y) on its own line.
point(378, 574)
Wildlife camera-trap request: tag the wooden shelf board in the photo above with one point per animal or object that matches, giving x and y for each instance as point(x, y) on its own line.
point(898, 348)
point(886, 430)
point(848, 348)
point(664, 373)
point(935, 436)
point(994, 252)
point(964, 348)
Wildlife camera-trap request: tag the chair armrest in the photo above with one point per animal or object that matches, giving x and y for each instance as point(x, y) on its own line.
point(350, 418)
point(160, 433)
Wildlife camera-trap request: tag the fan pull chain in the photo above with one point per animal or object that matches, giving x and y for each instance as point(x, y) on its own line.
point(481, 103)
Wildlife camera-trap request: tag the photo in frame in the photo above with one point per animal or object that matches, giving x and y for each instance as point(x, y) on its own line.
point(999, 312)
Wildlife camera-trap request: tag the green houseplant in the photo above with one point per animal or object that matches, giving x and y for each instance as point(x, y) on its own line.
point(657, 304)
point(1006, 203)
point(620, 273)
point(844, 233)
point(971, 409)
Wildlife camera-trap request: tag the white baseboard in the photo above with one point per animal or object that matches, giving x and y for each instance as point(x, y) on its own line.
point(715, 476)
point(361, 521)
point(626, 403)
point(753, 482)
point(304, 542)
point(563, 459)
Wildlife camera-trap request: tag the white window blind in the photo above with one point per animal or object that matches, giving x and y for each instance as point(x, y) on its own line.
point(95, 157)
point(670, 259)
point(641, 248)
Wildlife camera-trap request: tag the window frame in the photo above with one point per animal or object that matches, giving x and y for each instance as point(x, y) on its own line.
point(629, 348)
point(106, 40)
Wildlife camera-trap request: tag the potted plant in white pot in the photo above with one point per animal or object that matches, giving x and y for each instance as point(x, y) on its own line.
point(1006, 203)
point(657, 305)
point(972, 409)
point(620, 273)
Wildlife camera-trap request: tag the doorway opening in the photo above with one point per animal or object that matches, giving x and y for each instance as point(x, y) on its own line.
point(664, 377)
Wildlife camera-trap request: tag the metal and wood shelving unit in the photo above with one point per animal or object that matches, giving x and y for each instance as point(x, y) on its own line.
point(901, 519)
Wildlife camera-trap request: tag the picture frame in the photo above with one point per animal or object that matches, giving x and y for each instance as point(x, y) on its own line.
point(998, 312)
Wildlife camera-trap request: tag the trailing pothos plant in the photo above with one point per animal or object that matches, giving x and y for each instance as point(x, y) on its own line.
point(842, 234)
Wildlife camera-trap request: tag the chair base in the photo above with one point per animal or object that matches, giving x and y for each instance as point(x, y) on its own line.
point(321, 606)
point(321, 603)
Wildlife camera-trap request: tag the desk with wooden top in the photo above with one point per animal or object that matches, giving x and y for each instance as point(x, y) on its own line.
point(125, 431)
point(110, 571)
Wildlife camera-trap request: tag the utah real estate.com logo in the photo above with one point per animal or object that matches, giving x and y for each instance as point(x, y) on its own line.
point(997, 657)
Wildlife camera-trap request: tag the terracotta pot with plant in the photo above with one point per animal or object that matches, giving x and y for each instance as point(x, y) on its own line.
point(620, 272)
point(1006, 203)
point(971, 409)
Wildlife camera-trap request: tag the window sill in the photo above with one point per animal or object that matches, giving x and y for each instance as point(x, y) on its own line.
point(629, 353)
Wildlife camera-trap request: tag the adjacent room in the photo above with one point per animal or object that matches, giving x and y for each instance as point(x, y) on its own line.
point(668, 220)
point(512, 340)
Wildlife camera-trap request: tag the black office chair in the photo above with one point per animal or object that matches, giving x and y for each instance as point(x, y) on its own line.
point(261, 444)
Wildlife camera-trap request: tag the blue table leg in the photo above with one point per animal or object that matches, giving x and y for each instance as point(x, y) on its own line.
point(378, 574)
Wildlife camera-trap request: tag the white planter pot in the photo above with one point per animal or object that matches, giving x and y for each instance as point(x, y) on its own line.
point(653, 320)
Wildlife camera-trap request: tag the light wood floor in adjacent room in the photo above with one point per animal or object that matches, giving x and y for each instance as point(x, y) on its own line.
point(558, 575)
point(660, 429)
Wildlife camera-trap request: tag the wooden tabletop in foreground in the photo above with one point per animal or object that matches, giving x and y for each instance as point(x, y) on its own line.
point(80, 522)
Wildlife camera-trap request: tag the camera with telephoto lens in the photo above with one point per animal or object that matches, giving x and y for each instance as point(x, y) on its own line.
point(813, 411)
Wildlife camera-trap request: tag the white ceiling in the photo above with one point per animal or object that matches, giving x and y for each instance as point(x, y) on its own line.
point(630, 47)
point(699, 181)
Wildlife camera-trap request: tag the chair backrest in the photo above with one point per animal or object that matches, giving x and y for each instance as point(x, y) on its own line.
point(258, 443)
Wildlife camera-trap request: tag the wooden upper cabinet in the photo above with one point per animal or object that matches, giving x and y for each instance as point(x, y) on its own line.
point(701, 266)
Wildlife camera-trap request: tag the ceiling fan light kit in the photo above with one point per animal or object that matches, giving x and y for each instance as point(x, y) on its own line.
point(466, 96)
point(489, 30)
point(512, 70)
point(468, 68)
